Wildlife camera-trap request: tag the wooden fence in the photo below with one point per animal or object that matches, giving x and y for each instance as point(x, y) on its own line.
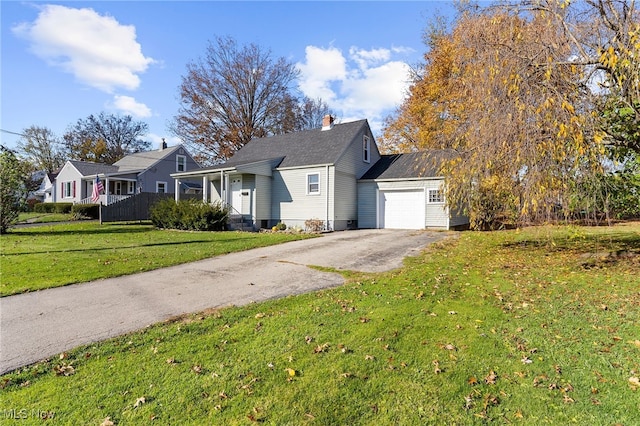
point(133, 208)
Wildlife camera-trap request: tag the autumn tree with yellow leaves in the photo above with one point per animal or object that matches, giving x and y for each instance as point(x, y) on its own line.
point(513, 92)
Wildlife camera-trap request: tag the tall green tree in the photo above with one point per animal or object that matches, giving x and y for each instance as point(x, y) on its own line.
point(12, 188)
point(42, 148)
point(105, 138)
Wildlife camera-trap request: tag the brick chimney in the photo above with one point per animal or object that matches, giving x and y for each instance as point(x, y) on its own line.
point(327, 122)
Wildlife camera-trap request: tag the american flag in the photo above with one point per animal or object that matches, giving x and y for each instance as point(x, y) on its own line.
point(97, 189)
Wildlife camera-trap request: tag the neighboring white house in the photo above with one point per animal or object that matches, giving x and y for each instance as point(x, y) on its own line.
point(148, 171)
point(334, 174)
point(45, 191)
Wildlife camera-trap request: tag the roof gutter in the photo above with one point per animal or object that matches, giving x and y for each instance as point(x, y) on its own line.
point(202, 172)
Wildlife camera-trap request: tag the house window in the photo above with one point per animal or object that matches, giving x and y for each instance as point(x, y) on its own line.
point(313, 184)
point(366, 149)
point(436, 196)
point(117, 187)
point(131, 187)
point(161, 187)
point(67, 189)
point(181, 163)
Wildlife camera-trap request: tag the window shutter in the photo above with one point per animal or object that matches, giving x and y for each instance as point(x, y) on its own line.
point(61, 190)
point(74, 189)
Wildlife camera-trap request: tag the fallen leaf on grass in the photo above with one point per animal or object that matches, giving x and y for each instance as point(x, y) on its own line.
point(634, 382)
point(107, 422)
point(64, 370)
point(321, 348)
point(139, 402)
point(491, 378)
point(290, 371)
point(636, 343)
point(526, 360)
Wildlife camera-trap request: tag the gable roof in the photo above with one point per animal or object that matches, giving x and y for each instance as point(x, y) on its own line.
point(144, 160)
point(87, 168)
point(305, 148)
point(423, 164)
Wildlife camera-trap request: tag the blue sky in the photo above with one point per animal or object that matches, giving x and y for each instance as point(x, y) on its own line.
point(62, 61)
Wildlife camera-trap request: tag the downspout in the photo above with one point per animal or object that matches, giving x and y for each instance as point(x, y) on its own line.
point(326, 201)
point(176, 196)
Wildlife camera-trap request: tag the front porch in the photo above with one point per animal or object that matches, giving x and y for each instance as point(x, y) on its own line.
point(244, 189)
point(115, 189)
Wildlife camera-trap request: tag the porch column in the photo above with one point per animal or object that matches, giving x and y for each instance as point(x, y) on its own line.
point(223, 192)
point(177, 190)
point(205, 189)
point(106, 191)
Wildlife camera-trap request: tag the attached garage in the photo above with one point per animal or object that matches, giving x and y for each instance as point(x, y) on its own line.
point(404, 191)
point(401, 209)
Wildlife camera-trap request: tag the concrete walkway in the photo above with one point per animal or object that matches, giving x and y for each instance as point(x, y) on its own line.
point(38, 325)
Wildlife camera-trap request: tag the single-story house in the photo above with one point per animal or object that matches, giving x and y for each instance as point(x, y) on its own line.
point(148, 171)
point(335, 175)
point(46, 190)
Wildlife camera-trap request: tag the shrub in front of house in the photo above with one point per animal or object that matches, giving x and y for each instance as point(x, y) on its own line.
point(31, 204)
point(91, 211)
point(189, 215)
point(53, 207)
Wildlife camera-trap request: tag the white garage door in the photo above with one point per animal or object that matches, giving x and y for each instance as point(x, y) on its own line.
point(402, 209)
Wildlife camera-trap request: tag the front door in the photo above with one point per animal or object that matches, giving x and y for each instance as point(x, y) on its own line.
point(236, 194)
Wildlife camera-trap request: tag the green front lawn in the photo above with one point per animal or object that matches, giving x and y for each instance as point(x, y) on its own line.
point(540, 326)
point(56, 255)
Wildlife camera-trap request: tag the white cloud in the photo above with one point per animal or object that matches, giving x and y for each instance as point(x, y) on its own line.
point(322, 67)
point(128, 105)
point(367, 58)
point(365, 84)
point(96, 49)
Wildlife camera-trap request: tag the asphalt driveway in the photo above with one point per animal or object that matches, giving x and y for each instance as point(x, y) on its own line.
point(38, 325)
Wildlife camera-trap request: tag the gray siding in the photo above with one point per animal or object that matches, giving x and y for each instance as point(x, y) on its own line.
point(367, 204)
point(351, 161)
point(346, 200)
point(290, 202)
point(215, 190)
point(161, 172)
point(263, 200)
